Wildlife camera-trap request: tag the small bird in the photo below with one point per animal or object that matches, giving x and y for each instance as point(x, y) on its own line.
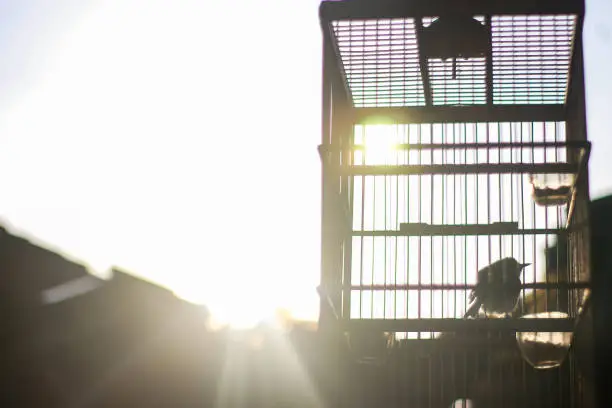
point(497, 288)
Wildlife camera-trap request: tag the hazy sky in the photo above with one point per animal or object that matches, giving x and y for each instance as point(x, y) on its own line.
point(178, 139)
point(174, 138)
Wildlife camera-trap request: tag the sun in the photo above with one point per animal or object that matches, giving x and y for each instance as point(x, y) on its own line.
point(378, 144)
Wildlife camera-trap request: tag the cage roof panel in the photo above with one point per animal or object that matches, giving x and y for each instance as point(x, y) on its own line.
point(531, 57)
point(381, 61)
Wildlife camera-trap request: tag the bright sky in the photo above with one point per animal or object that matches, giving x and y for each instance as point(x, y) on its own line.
point(177, 139)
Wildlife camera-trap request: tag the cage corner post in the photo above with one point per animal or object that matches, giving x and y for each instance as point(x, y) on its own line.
point(335, 211)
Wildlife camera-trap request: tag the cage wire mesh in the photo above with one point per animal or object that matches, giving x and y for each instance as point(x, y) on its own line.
point(530, 60)
point(410, 251)
point(381, 61)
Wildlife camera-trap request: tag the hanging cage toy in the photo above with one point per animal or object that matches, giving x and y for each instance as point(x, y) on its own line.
point(455, 36)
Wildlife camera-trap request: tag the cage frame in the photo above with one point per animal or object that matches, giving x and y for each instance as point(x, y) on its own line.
point(339, 115)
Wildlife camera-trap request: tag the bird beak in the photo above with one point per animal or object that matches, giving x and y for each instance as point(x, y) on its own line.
point(523, 266)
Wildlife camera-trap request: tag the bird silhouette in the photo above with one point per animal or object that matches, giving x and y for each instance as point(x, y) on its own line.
point(497, 288)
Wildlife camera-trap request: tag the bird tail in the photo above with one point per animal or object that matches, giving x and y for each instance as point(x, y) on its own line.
point(473, 309)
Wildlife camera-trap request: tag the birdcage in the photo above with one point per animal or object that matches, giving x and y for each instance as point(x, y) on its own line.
point(453, 137)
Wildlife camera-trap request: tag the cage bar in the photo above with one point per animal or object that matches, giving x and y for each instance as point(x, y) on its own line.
point(460, 114)
point(363, 9)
